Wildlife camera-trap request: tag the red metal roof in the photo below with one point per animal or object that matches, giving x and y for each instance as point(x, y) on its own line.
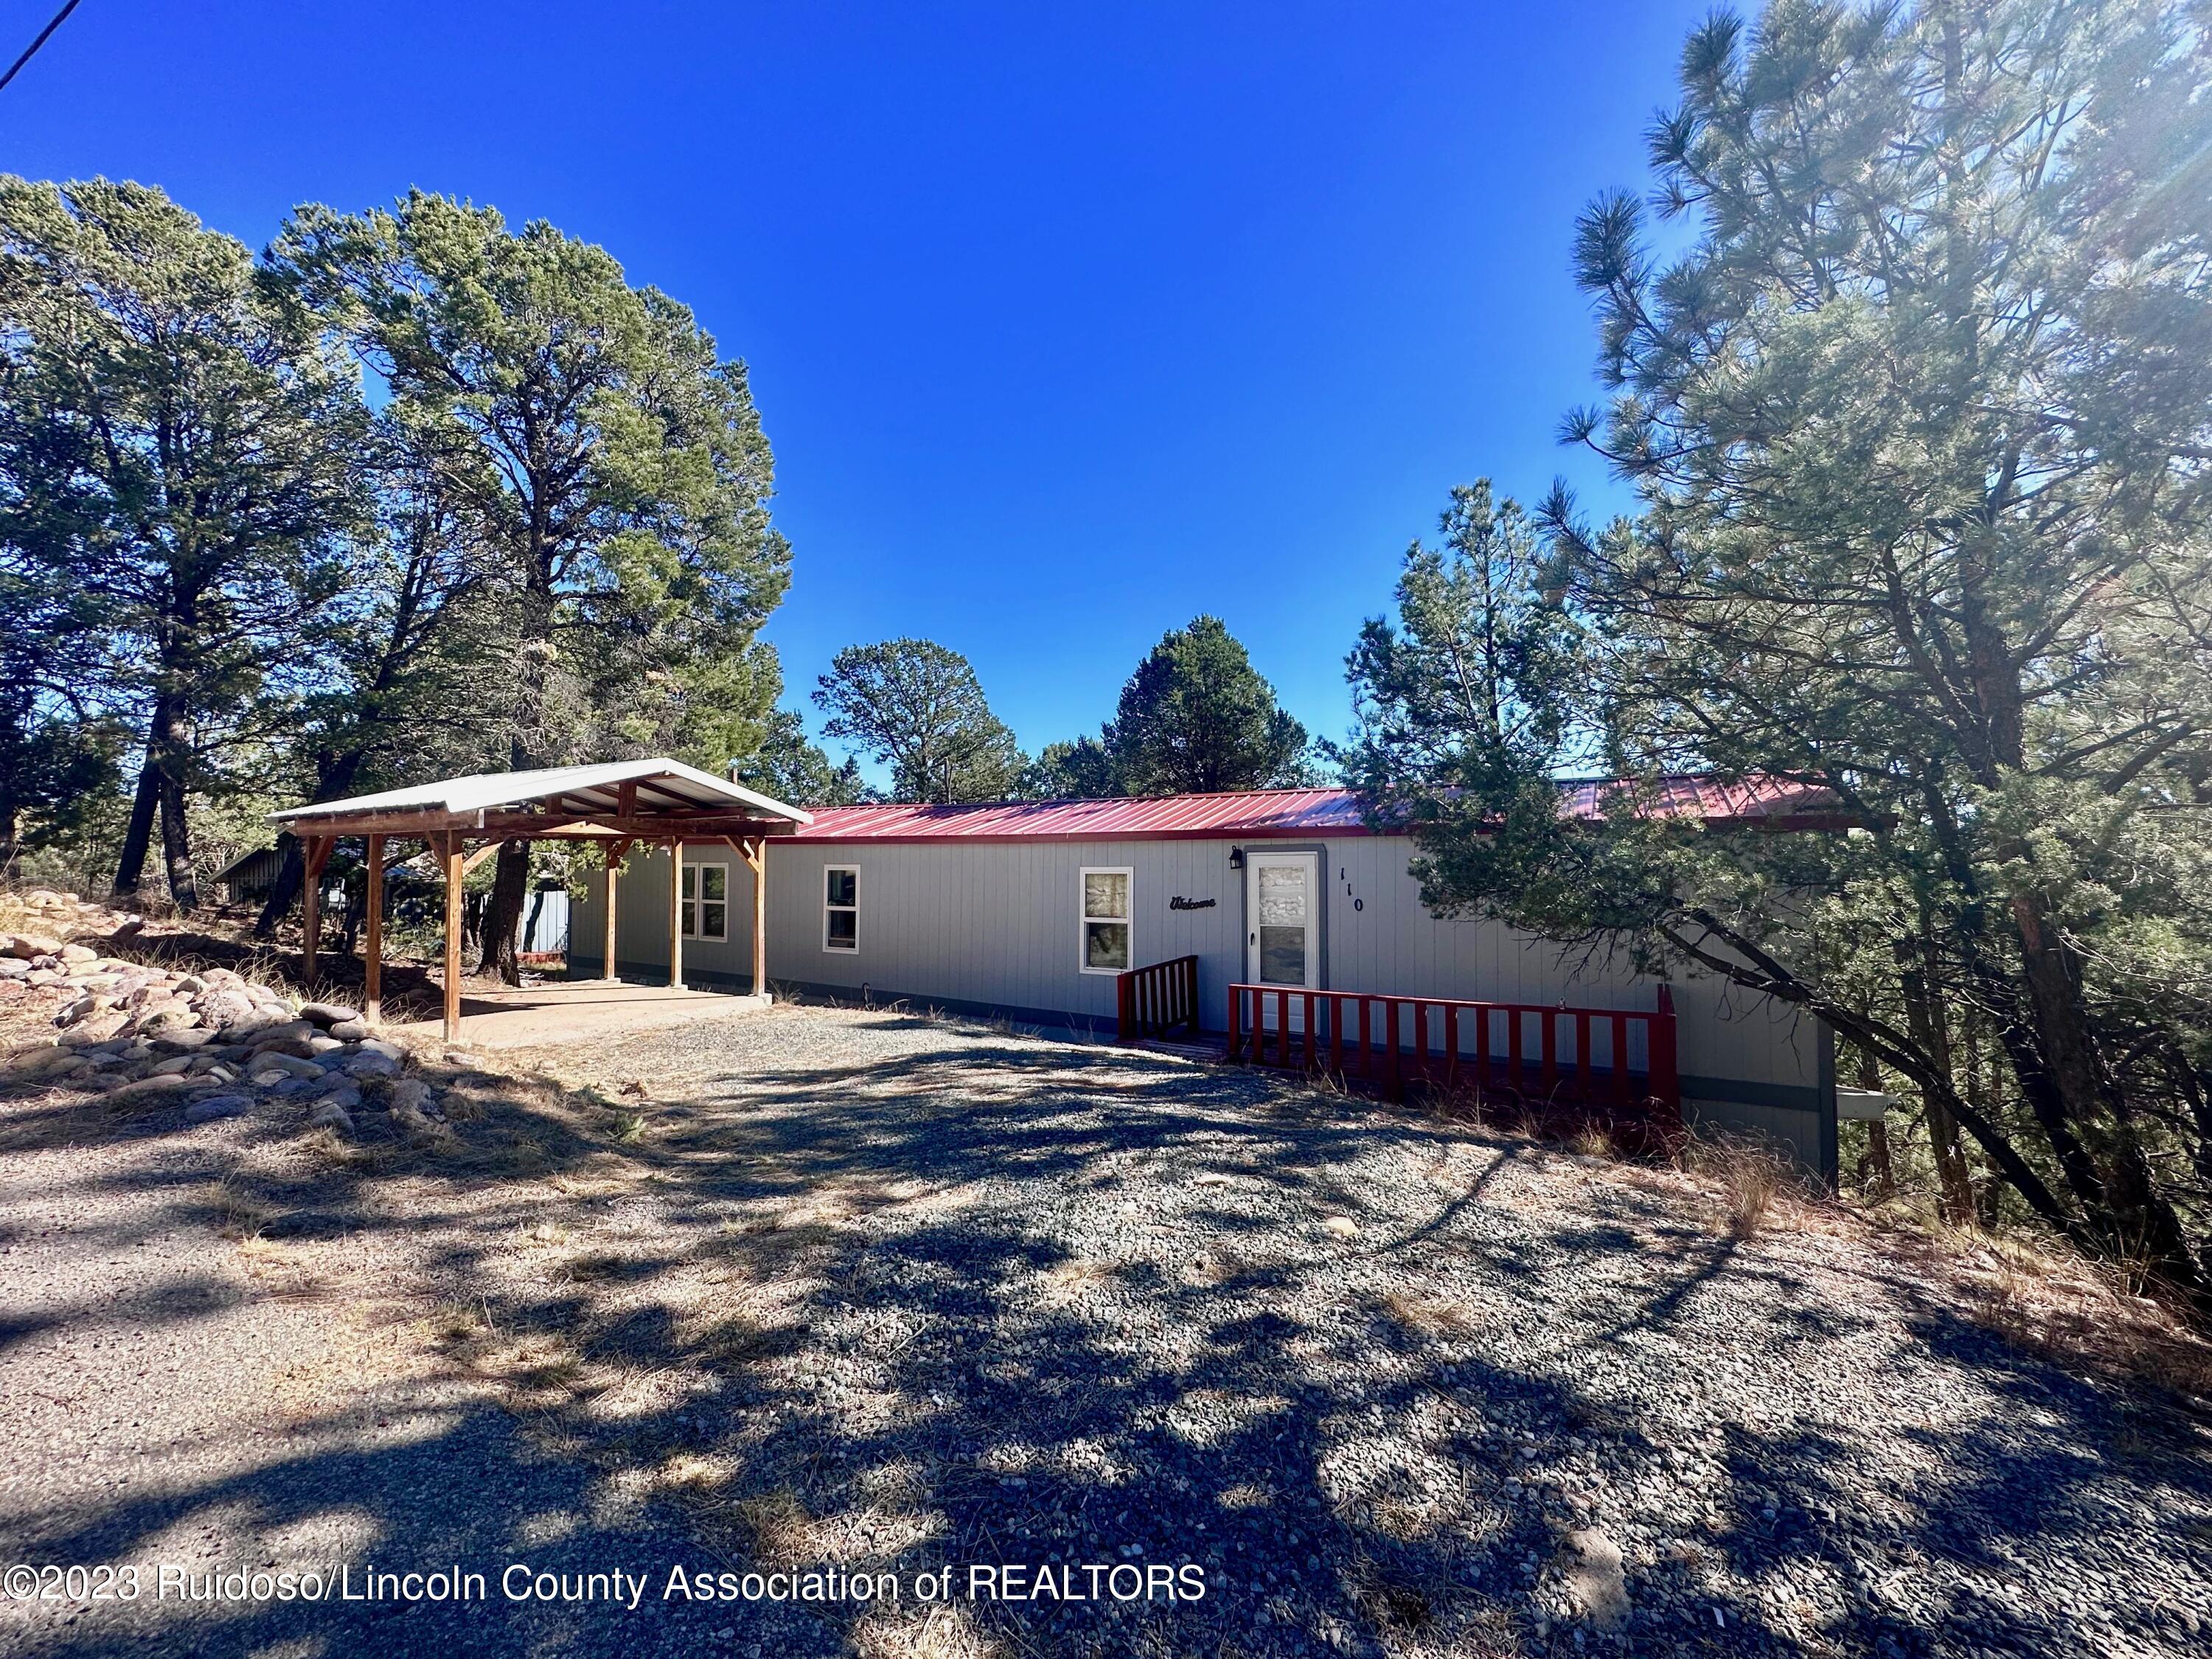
point(1250, 814)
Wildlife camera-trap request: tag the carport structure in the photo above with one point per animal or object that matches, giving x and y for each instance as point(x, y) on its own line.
point(619, 805)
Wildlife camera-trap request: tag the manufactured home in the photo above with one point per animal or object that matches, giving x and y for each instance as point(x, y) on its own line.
point(1281, 911)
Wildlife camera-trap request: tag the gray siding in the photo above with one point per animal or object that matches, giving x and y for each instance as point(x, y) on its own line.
point(995, 925)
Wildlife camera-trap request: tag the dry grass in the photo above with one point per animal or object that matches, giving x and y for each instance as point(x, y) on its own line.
point(784, 1534)
point(1592, 1141)
point(1433, 1316)
point(1751, 1175)
point(1066, 1282)
point(240, 1215)
point(2077, 1313)
point(942, 1631)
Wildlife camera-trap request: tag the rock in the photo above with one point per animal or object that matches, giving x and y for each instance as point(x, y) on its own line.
point(331, 1115)
point(346, 1096)
point(176, 1064)
point(73, 953)
point(168, 1017)
point(328, 1013)
point(49, 1062)
point(34, 945)
point(370, 1063)
point(379, 1045)
point(71, 1012)
point(221, 976)
point(183, 1039)
point(282, 1065)
point(286, 1088)
point(1594, 1577)
point(145, 1088)
point(1341, 1226)
point(410, 1121)
point(411, 1094)
point(219, 1007)
point(13, 968)
point(349, 1031)
point(320, 1045)
point(188, 984)
point(215, 1106)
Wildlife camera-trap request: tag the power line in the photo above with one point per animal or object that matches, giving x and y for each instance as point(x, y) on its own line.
point(32, 50)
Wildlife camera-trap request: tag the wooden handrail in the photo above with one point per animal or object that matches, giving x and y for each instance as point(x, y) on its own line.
point(1393, 1041)
point(1155, 1000)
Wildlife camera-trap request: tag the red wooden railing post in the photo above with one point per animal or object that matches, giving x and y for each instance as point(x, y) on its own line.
point(1236, 997)
point(1390, 1024)
point(1620, 1059)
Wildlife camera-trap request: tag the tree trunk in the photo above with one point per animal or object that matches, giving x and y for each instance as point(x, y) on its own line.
point(138, 835)
point(1932, 1032)
point(1877, 1171)
point(2063, 1079)
point(503, 912)
point(177, 840)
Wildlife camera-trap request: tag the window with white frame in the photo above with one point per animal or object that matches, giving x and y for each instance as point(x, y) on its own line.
point(703, 901)
point(840, 907)
point(1105, 920)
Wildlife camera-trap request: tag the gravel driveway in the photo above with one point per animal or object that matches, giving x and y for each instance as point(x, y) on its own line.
point(839, 1290)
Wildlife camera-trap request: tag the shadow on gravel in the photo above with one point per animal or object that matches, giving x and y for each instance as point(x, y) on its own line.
point(989, 1304)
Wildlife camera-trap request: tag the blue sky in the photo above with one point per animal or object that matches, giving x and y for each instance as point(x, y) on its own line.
point(1067, 323)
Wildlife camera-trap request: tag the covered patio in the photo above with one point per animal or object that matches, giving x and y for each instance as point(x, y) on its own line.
point(618, 806)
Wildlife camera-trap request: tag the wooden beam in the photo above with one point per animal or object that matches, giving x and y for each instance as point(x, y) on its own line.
point(675, 916)
point(626, 800)
point(449, 853)
point(684, 803)
point(372, 996)
point(615, 851)
point(311, 906)
point(539, 826)
point(755, 854)
point(480, 855)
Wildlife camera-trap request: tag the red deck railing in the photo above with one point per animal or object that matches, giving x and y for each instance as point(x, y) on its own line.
point(1606, 1057)
point(1156, 1000)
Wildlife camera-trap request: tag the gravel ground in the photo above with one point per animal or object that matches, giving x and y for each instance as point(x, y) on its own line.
point(843, 1290)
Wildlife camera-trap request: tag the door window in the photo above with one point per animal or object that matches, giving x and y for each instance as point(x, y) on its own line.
point(1286, 906)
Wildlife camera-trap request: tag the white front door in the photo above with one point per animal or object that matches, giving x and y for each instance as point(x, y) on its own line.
point(1282, 919)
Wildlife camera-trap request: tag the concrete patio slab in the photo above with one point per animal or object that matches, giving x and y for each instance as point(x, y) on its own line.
point(570, 1010)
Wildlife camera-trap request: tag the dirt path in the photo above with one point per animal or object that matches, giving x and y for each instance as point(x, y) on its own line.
point(844, 1289)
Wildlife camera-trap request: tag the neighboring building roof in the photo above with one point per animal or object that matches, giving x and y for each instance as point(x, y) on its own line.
point(663, 783)
point(1258, 814)
point(242, 861)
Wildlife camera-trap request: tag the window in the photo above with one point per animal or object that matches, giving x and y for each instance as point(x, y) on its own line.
point(1105, 920)
point(703, 901)
point(840, 907)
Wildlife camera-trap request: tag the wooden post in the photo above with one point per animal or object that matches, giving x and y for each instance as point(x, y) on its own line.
point(372, 972)
point(311, 905)
point(676, 914)
point(615, 851)
point(754, 852)
point(449, 850)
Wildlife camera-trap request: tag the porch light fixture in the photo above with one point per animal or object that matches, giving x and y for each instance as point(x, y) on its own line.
point(1236, 858)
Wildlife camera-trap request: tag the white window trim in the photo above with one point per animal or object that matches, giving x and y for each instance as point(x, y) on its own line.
point(698, 905)
point(1083, 915)
point(828, 908)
